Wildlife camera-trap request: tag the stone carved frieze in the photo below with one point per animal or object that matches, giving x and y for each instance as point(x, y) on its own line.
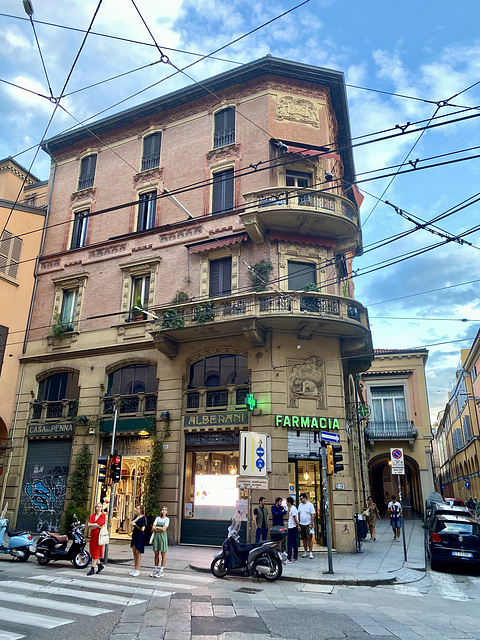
point(297, 110)
point(148, 176)
point(181, 233)
point(225, 153)
point(106, 251)
point(51, 264)
point(306, 381)
point(83, 195)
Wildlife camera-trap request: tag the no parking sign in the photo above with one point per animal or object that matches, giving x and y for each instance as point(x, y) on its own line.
point(397, 460)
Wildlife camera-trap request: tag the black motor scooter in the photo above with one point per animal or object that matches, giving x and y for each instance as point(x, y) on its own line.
point(53, 546)
point(257, 560)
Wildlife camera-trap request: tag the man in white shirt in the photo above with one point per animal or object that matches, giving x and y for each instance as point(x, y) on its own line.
point(395, 512)
point(292, 534)
point(306, 516)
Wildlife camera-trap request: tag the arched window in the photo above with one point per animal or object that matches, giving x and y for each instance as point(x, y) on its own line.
point(136, 385)
point(216, 373)
point(57, 396)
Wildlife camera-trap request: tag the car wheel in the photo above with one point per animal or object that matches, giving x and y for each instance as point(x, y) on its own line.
point(434, 564)
point(218, 568)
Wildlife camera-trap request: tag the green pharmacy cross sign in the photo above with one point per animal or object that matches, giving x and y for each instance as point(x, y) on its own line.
point(250, 402)
point(363, 410)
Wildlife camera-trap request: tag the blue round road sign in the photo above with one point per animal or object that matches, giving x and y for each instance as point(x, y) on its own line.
point(397, 454)
point(260, 452)
point(260, 463)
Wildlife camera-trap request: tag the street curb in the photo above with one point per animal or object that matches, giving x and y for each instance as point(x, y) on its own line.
point(335, 580)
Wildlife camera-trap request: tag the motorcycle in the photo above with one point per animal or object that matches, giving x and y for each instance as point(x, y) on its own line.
point(20, 543)
point(53, 546)
point(256, 560)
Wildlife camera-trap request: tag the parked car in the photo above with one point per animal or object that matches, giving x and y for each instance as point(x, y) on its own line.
point(454, 539)
point(454, 502)
point(441, 508)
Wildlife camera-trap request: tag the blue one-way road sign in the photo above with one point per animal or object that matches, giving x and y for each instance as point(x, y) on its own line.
point(330, 437)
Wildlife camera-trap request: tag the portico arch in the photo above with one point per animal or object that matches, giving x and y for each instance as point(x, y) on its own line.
point(383, 484)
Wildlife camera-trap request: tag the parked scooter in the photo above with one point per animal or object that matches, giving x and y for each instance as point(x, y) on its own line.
point(53, 546)
point(257, 560)
point(20, 543)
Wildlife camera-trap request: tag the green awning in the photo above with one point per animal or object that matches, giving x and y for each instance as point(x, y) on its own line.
point(126, 424)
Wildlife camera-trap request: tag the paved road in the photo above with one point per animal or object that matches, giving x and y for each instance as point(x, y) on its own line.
point(58, 602)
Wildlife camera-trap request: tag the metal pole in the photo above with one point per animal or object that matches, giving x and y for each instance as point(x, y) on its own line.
point(403, 519)
point(250, 515)
point(326, 506)
point(360, 448)
point(112, 489)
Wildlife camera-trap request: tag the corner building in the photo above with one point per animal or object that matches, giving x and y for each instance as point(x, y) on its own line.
point(247, 272)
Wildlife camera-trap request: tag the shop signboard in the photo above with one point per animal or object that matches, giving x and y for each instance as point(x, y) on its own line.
point(216, 419)
point(53, 429)
point(306, 422)
point(253, 454)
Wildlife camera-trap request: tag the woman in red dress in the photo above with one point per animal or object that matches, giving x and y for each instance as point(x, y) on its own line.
point(96, 522)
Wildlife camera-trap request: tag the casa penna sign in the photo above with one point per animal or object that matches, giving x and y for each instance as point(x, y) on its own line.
point(306, 422)
point(52, 429)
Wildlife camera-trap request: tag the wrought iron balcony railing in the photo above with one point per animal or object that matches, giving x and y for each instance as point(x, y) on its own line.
point(85, 183)
point(395, 430)
point(140, 403)
point(222, 138)
point(220, 397)
point(54, 410)
point(151, 161)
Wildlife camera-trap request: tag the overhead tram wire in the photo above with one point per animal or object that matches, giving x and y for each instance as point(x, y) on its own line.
point(56, 102)
point(29, 9)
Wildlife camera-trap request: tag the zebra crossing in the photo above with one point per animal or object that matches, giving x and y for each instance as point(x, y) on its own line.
point(56, 598)
point(441, 585)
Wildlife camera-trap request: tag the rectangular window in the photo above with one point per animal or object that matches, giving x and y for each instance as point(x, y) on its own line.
point(388, 404)
point(87, 172)
point(140, 291)
point(10, 250)
point(146, 211)
point(300, 274)
point(224, 128)
point(467, 429)
point(220, 277)
point(298, 179)
point(222, 191)
point(151, 151)
point(79, 234)
point(69, 308)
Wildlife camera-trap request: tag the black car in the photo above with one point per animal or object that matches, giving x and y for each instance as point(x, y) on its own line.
point(454, 539)
point(441, 508)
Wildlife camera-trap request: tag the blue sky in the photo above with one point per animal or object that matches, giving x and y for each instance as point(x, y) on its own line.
point(424, 50)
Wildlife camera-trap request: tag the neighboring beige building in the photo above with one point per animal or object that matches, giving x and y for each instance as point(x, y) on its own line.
point(396, 393)
point(247, 284)
point(22, 210)
point(457, 450)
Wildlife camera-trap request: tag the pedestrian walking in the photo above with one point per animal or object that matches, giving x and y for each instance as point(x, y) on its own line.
point(138, 533)
point(278, 513)
point(306, 517)
point(371, 514)
point(95, 523)
point(260, 520)
point(160, 542)
point(470, 504)
point(292, 534)
point(394, 509)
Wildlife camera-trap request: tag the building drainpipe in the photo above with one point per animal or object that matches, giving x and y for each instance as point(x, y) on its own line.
point(40, 252)
point(10, 455)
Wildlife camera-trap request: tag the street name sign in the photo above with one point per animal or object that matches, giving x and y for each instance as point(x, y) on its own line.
point(252, 483)
point(253, 454)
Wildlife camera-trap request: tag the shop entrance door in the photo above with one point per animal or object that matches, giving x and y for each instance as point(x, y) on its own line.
point(305, 476)
point(129, 493)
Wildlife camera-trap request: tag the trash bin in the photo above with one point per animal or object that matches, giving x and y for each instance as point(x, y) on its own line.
point(362, 529)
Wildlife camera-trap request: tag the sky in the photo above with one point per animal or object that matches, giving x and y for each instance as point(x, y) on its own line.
point(426, 53)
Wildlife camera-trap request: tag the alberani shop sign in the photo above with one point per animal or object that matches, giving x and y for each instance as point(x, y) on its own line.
point(211, 419)
point(306, 422)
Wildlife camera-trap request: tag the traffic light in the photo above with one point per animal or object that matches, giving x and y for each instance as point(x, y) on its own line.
point(104, 470)
point(116, 468)
point(334, 458)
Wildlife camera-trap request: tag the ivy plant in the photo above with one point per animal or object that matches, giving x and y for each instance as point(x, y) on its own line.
point(154, 479)
point(79, 487)
point(259, 275)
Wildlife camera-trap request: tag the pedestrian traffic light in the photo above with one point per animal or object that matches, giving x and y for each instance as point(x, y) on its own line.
point(116, 468)
point(104, 470)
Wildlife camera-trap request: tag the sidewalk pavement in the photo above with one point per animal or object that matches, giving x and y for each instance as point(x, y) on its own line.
point(381, 562)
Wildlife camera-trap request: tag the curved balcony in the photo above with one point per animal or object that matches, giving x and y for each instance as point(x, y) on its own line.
point(301, 211)
point(306, 314)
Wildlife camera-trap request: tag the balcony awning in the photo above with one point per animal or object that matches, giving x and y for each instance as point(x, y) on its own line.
point(283, 236)
point(217, 244)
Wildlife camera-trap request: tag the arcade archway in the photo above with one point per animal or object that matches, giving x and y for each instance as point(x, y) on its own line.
point(383, 484)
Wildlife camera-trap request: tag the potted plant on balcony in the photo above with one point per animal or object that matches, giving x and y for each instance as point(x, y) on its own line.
point(259, 274)
point(135, 314)
point(59, 328)
point(173, 318)
point(204, 312)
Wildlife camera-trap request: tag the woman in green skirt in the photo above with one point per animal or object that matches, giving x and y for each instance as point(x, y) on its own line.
point(160, 542)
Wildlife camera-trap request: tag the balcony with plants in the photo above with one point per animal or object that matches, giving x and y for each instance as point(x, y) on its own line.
point(303, 211)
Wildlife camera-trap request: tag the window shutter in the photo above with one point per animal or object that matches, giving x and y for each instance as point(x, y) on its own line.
point(222, 196)
point(15, 256)
point(228, 190)
point(151, 151)
point(214, 278)
point(3, 343)
point(226, 277)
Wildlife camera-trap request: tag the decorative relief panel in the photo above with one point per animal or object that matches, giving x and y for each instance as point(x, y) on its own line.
point(297, 110)
point(306, 381)
point(99, 253)
point(87, 195)
point(181, 233)
point(153, 175)
point(226, 153)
